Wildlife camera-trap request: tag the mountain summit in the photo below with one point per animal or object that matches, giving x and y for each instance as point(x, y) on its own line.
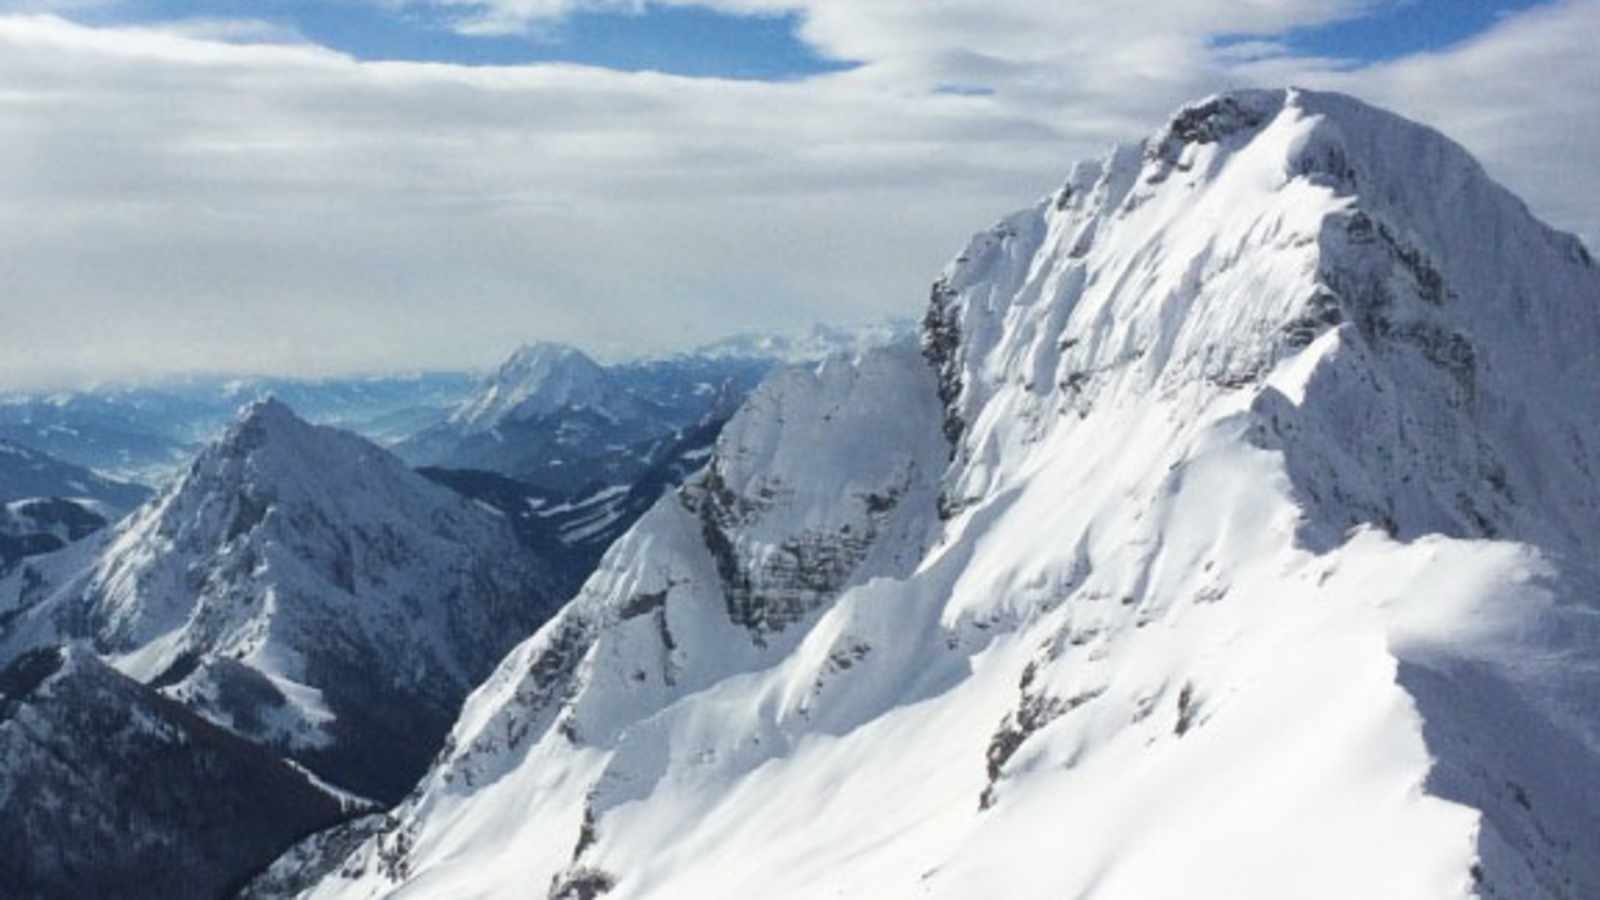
point(302, 588)
point(1233, 535)
point(535, 381)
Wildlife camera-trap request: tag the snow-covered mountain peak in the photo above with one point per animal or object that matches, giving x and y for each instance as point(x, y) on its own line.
point(301, 587)
point(1263, 226)
point(263, 416)
point(536, 380)
point(1232, 536)
point(1217, 118)
point(268, 429)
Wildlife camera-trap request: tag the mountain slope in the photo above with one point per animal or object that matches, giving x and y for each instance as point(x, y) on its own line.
point(302, 588)
point(27, 474)
point(39, 526)
point(1233, 536)
point(109, 790)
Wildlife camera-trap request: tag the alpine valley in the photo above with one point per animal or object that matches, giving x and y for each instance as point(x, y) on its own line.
point(1230, 529)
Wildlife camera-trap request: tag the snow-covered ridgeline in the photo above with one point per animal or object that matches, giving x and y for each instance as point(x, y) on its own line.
point(1234, 538)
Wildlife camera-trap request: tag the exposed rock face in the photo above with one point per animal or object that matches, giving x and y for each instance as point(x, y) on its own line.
point(301, 588)
point(110, 790)
point(1249, 480)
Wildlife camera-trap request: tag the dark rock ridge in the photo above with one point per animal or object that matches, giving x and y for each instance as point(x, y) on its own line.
point(43, 525)
point(108, 789)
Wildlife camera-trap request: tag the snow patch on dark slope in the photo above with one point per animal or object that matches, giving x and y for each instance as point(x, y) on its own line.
point(302, 588)
point(110, 790)
point(26, 474)
point(1234, 537)
point(44, 525)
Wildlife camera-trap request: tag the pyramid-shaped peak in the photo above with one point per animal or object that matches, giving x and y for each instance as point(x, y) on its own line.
point(267, 410)
point(536, 350)
point(536, 380)
point(542, 357)
point(545, 363)
point(260, 421)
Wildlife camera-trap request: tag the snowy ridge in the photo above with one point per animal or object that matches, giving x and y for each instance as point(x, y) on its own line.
point(1234, 537)
point(300, 587)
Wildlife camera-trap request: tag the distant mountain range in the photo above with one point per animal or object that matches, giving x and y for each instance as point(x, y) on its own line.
point(574, 451)
point(145, 433)
point(27, 473)
point(285, 631)
point(813, 345)
point(554, 418)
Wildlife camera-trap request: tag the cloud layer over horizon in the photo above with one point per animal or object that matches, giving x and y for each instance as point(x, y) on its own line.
point(220, 195)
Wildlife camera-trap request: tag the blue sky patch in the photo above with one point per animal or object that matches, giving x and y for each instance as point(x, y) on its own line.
point(1404, 28)
point(679, 40)
point(692, 41)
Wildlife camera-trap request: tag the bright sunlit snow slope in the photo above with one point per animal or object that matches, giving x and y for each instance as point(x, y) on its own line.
point(1231, 537)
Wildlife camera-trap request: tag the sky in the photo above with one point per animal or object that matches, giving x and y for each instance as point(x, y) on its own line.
point(373, 185)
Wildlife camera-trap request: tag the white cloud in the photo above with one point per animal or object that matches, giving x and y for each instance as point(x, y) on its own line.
point(173, 198)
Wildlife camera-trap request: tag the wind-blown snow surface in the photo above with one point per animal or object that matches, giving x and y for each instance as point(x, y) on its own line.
point(302, 588)
point(1234, 538)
